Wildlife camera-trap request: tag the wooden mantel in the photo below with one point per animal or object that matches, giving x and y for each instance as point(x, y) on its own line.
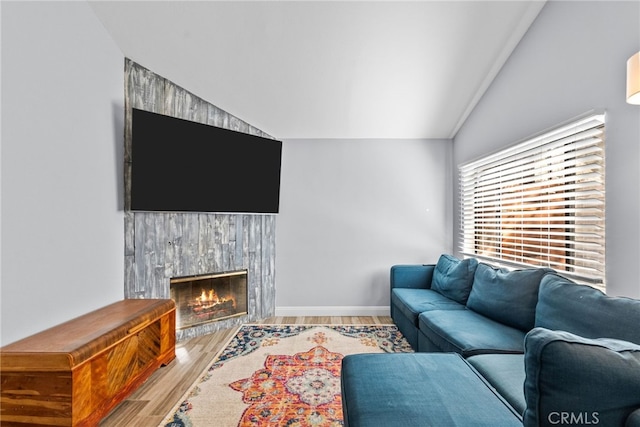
point(73, 374)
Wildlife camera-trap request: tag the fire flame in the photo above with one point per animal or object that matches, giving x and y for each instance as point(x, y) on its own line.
point(210, 297)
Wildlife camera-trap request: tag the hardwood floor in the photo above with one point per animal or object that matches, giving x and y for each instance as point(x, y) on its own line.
point(150, 403)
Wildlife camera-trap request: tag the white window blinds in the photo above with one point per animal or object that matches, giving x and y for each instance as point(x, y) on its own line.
point(540, 203)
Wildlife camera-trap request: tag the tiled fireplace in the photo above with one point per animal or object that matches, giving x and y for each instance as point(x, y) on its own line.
point(209, 298)
point(165, 247)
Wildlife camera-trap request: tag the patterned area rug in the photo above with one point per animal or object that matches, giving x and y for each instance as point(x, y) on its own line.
point(280, 375)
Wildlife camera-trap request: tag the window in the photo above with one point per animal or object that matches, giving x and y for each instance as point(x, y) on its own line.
point(540, 203)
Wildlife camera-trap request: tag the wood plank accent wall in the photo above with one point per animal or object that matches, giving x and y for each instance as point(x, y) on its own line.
point(159, 246)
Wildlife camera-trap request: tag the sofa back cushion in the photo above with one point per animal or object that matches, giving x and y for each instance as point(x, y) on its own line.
point(506, 296)
point(586, 311)
point(579, 380)
point(453, 277)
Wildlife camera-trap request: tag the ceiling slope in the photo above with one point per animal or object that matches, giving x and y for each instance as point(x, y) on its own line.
point(327, 69)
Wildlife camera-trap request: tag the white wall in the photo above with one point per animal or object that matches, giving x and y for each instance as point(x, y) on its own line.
point(572, 60)
point(349, 210)
point(62, 113)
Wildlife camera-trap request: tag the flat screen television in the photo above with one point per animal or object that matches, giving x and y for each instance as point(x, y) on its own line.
point(183, 166)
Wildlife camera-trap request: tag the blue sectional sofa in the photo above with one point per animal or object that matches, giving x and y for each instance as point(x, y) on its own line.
point(498, 348)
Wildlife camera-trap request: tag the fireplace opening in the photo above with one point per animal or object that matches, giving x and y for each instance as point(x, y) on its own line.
point(209, 298)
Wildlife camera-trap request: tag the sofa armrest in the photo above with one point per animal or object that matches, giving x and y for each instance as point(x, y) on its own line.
point(417, 276)
point(568, 376)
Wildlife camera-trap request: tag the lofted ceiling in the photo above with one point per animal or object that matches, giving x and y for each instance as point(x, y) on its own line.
point(327, 69)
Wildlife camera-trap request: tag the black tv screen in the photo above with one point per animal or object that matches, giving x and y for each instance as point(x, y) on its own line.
point(183, 166)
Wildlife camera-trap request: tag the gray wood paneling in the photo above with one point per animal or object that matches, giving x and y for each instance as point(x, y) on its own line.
point(159, 246)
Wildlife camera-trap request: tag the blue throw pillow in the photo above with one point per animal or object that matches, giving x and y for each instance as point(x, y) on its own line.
point(576, 380)
point(507, 296)
point(453, 277)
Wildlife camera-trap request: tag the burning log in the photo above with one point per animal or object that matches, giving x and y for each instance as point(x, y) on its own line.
point(209, 304)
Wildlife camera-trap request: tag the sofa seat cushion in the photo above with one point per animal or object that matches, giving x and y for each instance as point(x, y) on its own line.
point(468, 333)
point(507, 296)
point(585, 311)
point(453, 277)
point(419, 389)
point(595, 381)
point(412, 302)
point(505, 372)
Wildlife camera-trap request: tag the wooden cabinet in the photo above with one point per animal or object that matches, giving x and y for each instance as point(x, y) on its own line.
point(73, 374)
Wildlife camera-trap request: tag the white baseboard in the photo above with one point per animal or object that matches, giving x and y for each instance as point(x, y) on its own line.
point(333, 311)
